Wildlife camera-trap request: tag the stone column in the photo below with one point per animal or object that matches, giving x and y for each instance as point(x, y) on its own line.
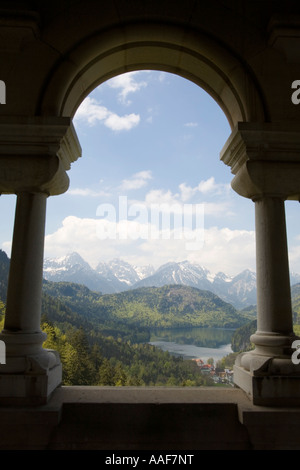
point(31, 373)
point(23, 304)
point(274, 306)
point(22, 334)
point(256, 156)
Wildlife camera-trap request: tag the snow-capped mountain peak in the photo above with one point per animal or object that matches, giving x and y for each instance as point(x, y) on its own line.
point(73, 268)
point(123, 271)
point(64, 263)
point(118, 275)
point(144, 271)
point(239, 290)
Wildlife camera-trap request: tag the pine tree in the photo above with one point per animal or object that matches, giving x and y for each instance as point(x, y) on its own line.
point(106, 373)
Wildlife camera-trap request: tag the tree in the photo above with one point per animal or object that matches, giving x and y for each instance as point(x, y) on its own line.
point(52, 340)
point(79, 368)
point(120, 377)
point(106, 373)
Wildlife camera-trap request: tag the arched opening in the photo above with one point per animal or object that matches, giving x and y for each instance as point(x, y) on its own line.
point(169, 155)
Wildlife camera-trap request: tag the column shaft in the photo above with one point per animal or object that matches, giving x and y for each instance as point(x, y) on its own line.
point(274, 307)
point(24, 293)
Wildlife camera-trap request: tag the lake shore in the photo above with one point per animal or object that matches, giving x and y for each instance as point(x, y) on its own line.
point(194, 343)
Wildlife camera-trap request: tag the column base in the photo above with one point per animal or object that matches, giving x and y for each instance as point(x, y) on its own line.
point(33, 386)
point(270, 381)
point(30, 373)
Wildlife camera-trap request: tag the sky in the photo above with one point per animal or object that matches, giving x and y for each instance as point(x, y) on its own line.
point(149, 187)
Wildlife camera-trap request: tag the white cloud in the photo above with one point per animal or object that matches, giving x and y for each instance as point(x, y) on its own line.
point(80, 235)
point(206, 187)
point(221, 207)
point(91, 111)
point(224, 249)
point(160, 196)
point(127, 84)
point(87, 192)
point(120, 123)
point(230, 251)
point(187, 192)
point(137, 181)
point(6, 246)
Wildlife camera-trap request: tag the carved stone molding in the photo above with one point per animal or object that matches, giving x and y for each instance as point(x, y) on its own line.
point(35, 154)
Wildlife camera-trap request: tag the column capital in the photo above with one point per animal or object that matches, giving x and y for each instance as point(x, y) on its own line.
point(257, 179)
point(265, 159)
point(35, 154)
point(276, 142)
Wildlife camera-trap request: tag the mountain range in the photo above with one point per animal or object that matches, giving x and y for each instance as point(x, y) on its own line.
point(108, 278)
point(130, 313)
point(118, 276)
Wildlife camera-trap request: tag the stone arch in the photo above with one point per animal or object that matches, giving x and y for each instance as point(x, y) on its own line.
point(169, 48)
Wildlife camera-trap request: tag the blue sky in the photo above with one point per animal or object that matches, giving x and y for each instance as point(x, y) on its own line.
point(151, 138)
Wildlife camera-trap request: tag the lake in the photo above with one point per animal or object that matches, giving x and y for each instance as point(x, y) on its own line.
point(194, 343)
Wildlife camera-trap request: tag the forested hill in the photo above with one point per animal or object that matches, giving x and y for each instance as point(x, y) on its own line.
point(149, 307)
point(172, 306)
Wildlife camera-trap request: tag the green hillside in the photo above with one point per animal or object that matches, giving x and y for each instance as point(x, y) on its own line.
point(73, 305)
point(150, 307)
